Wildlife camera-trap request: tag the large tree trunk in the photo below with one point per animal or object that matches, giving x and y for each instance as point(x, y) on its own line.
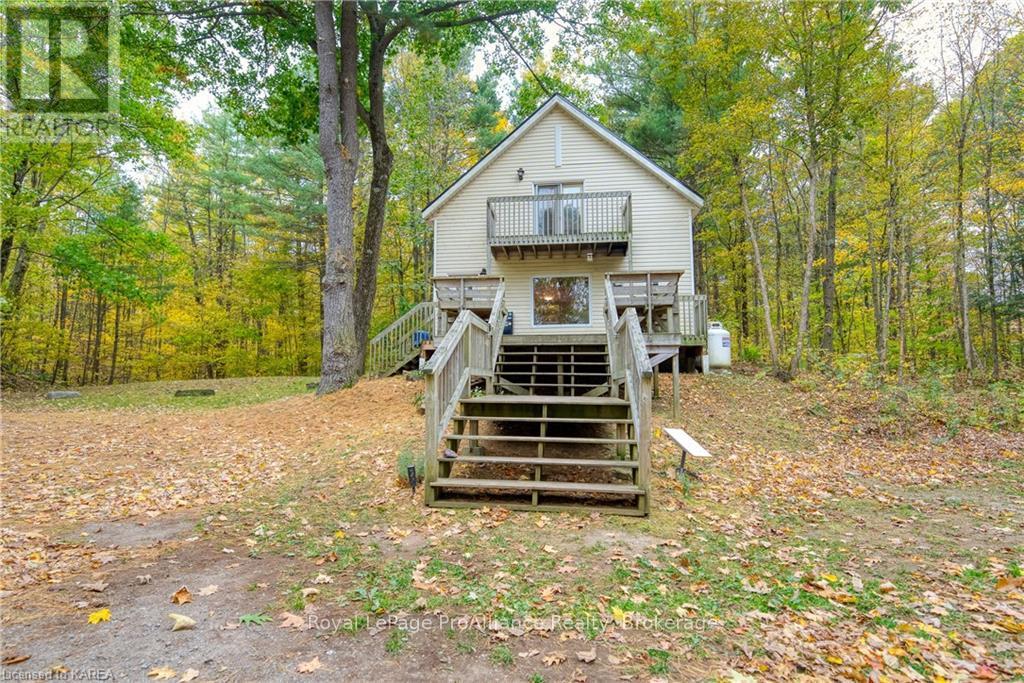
point(758, 266)
point(376, 209)
point(339, 148)
point(812, 234)
point(828, 246)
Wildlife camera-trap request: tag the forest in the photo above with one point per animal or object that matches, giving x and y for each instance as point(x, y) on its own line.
point(865, 199)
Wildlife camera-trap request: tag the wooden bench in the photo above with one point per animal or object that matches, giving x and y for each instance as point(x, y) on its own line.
point(688, 445)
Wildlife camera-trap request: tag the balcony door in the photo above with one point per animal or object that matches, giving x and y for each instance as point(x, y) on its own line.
point(560, 215)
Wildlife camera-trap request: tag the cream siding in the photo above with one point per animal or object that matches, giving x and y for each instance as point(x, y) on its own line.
point(661, 237)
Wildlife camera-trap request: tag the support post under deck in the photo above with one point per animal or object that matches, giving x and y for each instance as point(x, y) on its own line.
point(675, 386)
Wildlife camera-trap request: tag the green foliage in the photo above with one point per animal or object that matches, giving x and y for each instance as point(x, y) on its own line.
point(176, 250)
point(396, 642)
point(407, 457)
point(254, 619)
point(502, 655)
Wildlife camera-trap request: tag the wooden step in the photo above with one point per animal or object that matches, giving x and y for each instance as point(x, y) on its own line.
point(532, 354)
point(517, 460)
point(551, 362)
point(539, 418)
point(518, 485)
point(565, 385)
point(630, 510)
point(535, 399)
point(552, 373)
point(539, 439)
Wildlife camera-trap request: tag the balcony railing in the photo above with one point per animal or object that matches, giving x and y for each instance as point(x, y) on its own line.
point(522, 224)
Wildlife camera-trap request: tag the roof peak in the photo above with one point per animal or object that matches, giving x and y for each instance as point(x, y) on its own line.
point(558, 99)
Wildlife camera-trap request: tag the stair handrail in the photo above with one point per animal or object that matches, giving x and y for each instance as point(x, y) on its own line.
point(630, 352)
point(611, 319)
point(396, 343)
point(464, 353)
point(496, 323)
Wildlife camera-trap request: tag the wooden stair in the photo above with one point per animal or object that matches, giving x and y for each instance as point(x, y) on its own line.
point(543, 451)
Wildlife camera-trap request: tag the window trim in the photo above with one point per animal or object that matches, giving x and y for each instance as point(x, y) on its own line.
point(590, 302)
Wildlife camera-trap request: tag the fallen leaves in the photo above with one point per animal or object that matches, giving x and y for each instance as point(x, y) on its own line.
point(95, 586)
point(293, 621)
point(181, 622)
point(256, 619)
point(310, 666)
point(753, 584)
point(1008, 583)
point(161, 673)
point(587, 656)
point(181, 596)
point(189, 675)
point(99, 616)
point(11, 660)
point(208, 590)
point(327, 557)
point(554, 658)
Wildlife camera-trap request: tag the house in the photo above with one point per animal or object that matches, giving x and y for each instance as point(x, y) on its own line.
point(563, 279)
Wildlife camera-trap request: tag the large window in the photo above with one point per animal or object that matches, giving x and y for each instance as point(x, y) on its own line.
point(562, 300)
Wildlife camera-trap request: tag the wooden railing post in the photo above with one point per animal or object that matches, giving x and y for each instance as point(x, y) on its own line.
point(430, 446)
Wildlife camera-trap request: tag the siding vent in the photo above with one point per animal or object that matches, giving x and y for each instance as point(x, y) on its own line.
point(558, 144)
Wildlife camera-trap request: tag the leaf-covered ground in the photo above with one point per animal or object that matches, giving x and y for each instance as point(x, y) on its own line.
point(838, 532)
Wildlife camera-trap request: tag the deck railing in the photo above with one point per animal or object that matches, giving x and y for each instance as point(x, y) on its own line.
point(473, 292)
point(400, 341)
point(693, 317)
point(456, 293)
point(582, 217)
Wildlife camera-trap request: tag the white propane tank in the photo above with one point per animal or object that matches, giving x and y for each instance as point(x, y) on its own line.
point(719, 347)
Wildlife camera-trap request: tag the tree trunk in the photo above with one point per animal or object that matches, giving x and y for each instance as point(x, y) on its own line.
point(117, 338)
point(990, 262)
point(339, 148)
point(828, 245)
point(812, 234)
point(101, 315)
point(62, 341)
point(758, 266)
point(376, 209)
point(960, 256)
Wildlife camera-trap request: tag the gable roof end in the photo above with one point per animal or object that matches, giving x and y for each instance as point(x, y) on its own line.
point(588, 122)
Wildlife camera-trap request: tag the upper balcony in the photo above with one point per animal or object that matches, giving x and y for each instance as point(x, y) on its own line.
point(596, 222)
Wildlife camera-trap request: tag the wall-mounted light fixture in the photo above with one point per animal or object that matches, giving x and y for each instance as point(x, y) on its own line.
point(520, 172)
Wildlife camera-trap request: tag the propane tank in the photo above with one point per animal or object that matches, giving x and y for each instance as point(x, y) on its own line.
point(719, 347)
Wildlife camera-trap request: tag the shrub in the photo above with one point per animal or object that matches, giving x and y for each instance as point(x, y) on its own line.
point(406, 458)
point(752, 353)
